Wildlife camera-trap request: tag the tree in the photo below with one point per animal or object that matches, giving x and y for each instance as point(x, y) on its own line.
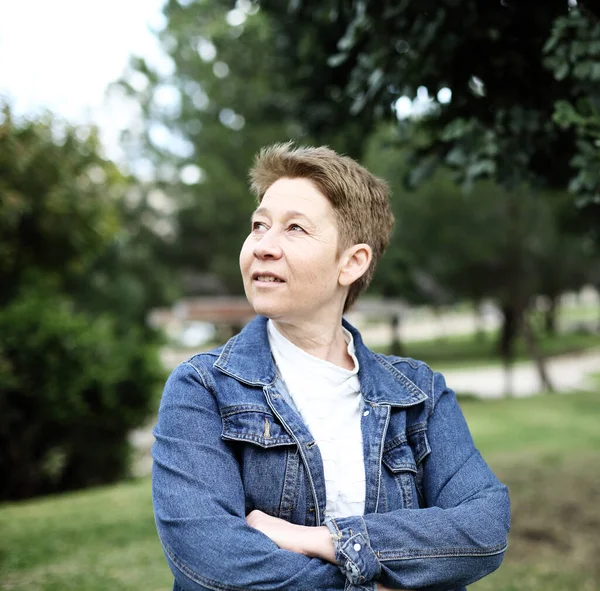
point(78, 367)
point(487, 243)
point(508, 65)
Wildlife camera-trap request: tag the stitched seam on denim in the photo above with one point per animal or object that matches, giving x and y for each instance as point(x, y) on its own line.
point(339, 536)
point(368, 538)
point(348, 559)
point(437, 553)
point(397, 441)
point(231, 410)
point(301, 452)
point(421, 455)
point(416, 428)
point(212, 353)
point(289, 483)
point(224, 356)
point(272, 442)
point(381, 443)
point(400, 467)
point(365, 530)
point(406, 382)
point(201, 374)
point(406, 482)
point(241, 379)
point(433, 399)
point(414, 363)
point(224, 359)
point(348, 541)
point(402, 438)
point(196, 577)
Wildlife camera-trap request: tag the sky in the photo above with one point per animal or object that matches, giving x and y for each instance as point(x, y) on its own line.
point(61, 55)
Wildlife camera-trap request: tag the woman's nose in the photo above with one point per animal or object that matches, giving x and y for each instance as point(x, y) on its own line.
point(268, 246)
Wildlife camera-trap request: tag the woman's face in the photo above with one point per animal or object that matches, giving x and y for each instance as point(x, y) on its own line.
point(290, 262)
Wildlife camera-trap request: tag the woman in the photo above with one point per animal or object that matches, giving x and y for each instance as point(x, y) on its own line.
point(294, 457)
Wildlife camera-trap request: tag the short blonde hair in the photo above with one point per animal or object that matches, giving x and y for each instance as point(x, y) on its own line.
point(360, 200)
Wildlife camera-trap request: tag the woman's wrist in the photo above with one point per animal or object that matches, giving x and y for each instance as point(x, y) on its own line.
point(318, 543)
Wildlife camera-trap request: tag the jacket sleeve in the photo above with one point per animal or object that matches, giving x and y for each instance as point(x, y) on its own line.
point(462, 534)
point(199, 505)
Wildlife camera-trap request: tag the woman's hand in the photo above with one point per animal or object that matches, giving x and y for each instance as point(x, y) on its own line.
point(315, 542)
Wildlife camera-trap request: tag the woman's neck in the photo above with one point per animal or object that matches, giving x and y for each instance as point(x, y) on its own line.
point(323, 341)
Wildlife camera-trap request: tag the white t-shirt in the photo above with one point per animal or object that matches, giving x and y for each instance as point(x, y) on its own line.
point(328, 399)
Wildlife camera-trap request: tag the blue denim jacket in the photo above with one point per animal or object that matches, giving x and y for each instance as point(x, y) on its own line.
point(228, 441)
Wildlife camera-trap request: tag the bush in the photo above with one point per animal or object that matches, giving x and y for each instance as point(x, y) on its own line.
point(71, 389)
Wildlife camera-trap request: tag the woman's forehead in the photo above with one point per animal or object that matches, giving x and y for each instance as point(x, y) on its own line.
point(295, 196)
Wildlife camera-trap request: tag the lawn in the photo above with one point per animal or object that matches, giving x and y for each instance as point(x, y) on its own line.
point(547, 449)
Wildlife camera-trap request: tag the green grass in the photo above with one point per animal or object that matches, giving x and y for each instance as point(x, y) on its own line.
point(89, 541)
point(546, 448)
point(581, 313)
point(469, 351)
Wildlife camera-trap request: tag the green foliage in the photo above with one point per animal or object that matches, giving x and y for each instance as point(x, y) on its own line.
point(487, 243)
point(573, 54)
point(508, 66)
point(54, 214)
point(78, 367)
point(71, 388)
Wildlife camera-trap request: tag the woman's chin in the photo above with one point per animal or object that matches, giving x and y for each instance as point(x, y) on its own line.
point(270, 309)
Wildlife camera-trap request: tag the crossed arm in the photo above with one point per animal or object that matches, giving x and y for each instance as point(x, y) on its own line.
point(314, 542)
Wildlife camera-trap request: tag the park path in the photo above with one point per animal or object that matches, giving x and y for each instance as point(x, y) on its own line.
point(567, 373)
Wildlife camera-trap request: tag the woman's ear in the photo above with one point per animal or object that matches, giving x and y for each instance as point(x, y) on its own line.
point(355, 262)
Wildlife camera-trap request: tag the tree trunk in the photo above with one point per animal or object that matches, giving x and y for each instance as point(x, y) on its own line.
point(479, 322)
point(550, 316)
point(396, 346)
point(536, 355)
point(510, 329)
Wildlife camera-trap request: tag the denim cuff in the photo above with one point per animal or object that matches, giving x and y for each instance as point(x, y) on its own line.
point(372, 586)
point(353, 551)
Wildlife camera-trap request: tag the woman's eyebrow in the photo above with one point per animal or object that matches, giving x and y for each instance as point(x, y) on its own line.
point(287, 215)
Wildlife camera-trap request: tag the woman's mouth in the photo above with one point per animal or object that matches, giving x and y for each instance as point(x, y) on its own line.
point(268, 279)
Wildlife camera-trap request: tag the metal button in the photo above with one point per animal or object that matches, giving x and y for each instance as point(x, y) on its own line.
point(357, 547)
point(366, 413)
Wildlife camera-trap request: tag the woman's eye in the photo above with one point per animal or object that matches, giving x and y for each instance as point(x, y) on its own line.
point(257, 226)
point(296, 228)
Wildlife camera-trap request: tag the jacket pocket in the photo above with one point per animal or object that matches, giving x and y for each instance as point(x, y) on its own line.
point(255, 424)
point(270, 465)
point(417, 439)
point(400, 461)
point(404, 457)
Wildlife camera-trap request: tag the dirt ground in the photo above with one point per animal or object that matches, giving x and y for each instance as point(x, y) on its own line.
point(554, 542)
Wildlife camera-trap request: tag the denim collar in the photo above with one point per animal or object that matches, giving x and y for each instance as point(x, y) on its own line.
point(247, 358)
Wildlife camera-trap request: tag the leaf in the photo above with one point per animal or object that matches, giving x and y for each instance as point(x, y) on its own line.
point(582, 70)
point(481, 168)
point(560, 73)
point(337, 59)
